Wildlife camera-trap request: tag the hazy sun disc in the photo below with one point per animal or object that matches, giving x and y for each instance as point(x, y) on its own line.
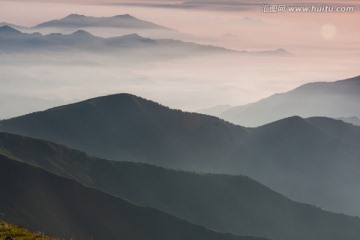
point(328, 31)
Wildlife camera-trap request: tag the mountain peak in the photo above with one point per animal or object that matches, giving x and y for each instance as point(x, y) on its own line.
point(128, 16)
point(8, 30)
point(74, 16)
point(82, 33)
point(108, 100)
point(11, 25)
point(78, 21)
point(133, 36)
point(288, 121)
point(282, 51)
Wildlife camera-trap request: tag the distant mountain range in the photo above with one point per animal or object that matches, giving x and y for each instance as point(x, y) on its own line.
point(63, 208)
point(17, 27)
point(16, 41)
point(340, 99)
point(312, 160)
point(13, 40)
point(224, 203)
point(127, 46)
point(108, 26)
point(124, 25)
point(77, 21)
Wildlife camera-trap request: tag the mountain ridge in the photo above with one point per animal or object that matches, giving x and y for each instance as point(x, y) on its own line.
point(296, 157)
point(224, 203)
point(32, 193)
point(329, 99)
point(118, 21)
point(16, 41)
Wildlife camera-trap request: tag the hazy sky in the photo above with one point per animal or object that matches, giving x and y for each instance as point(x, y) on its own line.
point(325, 47)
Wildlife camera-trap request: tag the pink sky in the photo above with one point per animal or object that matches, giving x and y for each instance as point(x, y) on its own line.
point(229, 81)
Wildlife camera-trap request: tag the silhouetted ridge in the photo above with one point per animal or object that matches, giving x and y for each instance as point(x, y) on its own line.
point(74, 16)
point(119, 21)
point(82, 33)
point(128, 16)
point(8, 31)
point(340, 99)
point(350, 80)
point(62, 207)
point(136, 36)
point(114, 102)
point(345, 132)
point(338, 87)
point(293, 156)
point(224, 203)
point(297, 126)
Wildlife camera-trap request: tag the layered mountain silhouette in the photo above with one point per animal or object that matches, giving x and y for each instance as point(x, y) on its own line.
point(339, 99)
point(15, 26)
point(63, 208)
point(352, 120)
point(13, 40)
point(77, 21)
point(109, 26)
point(310, 160)
point(224, 203)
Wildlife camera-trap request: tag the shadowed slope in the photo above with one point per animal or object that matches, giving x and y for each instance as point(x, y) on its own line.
point(61, 207)
point(225, 203)
point(293, 156)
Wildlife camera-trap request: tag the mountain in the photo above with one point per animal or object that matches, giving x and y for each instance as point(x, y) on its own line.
point(310, 160)
point(134, 129)
point(352, 120)
point(18, 27)
point(110, 26)
point(63, 208)
point(14, 41)
point(77, 21)
point(328, 99)
point(9, 32)
point(224, 203)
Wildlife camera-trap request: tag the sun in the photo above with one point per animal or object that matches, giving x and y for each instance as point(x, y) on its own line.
point(328, 31)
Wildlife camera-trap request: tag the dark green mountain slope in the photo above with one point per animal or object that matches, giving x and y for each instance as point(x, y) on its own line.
point(61, 207)
point(224, 203)
point(314, 161)
point(127, 127)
